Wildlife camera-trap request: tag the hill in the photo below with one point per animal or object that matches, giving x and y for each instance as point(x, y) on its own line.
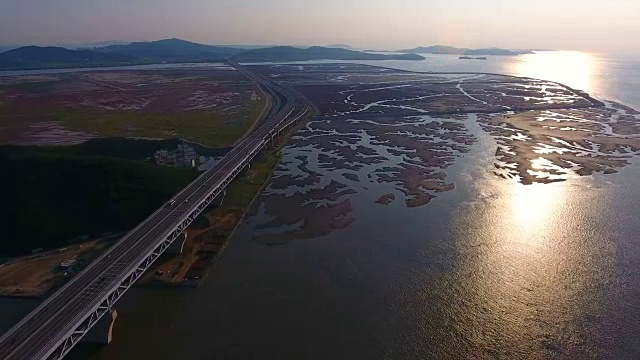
point(290, 53)
point(94, 45)
point(51, 56)
point(450, 50)
point(171, 50)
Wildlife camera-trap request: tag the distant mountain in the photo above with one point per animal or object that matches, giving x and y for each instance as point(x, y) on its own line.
point(27, 57)
point(78, 46)
point(450, 50)
point(172, 50)
point(290, 53)
point(246, 47)
point(341, 46)
point(94, 45)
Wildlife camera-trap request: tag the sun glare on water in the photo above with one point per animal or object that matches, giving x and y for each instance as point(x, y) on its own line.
point(532, 206)
point(572, 68)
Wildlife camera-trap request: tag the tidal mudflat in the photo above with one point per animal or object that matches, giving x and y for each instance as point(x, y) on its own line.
point(397, 132)
point(553, 145)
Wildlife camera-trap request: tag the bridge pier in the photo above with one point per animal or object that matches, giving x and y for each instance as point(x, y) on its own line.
point(102, 332)
point(220, 198)
point(178, 244)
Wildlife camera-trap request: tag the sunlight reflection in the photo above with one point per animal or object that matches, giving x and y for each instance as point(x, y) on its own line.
point(532, 267)
point(532, 205)
point(572, 68)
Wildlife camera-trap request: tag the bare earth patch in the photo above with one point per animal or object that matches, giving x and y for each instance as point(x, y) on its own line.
point(33, 276)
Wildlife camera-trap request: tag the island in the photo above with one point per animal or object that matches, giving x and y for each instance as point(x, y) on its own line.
point(472, 58)
point(451, 50)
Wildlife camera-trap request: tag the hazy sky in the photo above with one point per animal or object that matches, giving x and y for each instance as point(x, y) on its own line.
point(592, 25)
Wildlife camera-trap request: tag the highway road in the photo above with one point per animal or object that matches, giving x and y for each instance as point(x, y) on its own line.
point(50, 323)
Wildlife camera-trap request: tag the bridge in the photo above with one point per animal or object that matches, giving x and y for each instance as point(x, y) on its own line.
point(54, 327)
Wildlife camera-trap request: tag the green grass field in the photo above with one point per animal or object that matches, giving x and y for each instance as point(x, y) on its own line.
point(206, 127)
